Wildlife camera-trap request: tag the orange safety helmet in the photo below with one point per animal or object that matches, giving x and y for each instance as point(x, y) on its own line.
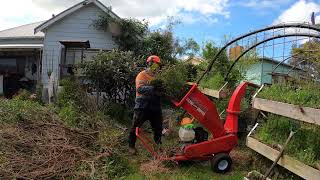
point(154, 59)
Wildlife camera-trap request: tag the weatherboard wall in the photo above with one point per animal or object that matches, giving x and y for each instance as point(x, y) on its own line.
point(76, 27)
point(259, 73)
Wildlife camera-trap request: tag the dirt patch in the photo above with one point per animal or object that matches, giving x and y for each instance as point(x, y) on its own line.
point(152, 167)
point(242, 157)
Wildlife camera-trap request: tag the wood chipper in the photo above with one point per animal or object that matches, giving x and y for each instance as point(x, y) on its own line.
point(224, 136)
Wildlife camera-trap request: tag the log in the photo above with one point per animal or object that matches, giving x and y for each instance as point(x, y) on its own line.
point(306, 114)
point(285, 161)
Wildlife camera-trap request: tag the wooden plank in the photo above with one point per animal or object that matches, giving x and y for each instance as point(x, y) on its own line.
point(306, 114)
point(210, 92)
point(207, 91)
point(285, 161)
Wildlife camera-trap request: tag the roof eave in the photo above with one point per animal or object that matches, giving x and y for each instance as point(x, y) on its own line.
point(72, 9)
point(22, 37)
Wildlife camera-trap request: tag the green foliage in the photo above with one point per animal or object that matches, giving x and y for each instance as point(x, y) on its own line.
point(305, 95)
point(136, 36)
point(22, 95)
point(304, 145)
point(174, 79)
point(73, 93)
point(75, 107)
point(160, 43)
point(188, 47)
point(119, 112)
point(17, 110)
point(215, 78)
point(69, 114)
point(130, 35)
point(214, 82)
point(307, 57)
point(114, 74)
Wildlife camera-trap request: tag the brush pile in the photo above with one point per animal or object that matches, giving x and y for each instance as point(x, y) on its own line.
point(35, 144)
point(174, 79)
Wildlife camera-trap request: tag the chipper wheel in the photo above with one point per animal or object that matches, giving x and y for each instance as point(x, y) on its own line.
point(221, 163)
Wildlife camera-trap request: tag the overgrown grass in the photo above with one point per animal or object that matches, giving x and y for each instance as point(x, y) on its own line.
point(304, 145)
point(306, 95)
point(17, 110)
point(213, 82)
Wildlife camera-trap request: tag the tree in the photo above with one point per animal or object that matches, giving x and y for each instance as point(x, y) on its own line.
point(215, 78)
point(307, 57)
point(134, 35)
point(128, 33)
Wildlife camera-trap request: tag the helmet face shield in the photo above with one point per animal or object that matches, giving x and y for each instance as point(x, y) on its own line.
point(154, 67)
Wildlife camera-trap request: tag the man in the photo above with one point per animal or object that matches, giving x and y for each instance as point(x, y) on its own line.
point(147, 103)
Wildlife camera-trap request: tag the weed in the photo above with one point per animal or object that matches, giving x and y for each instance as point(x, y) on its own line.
point(305, 95)
point(304, 145)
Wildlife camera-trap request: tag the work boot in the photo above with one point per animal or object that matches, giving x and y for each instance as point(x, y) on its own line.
point(132, 151)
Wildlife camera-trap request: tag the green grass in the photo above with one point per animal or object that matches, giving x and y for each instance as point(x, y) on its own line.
point(304, 146)
point(17, 110)
point(188, 171)
point(305, 95)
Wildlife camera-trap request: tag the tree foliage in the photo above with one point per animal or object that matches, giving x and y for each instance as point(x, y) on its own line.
point(128, 33)
point(113, 73)
point(136, 36)
point(215, 78)
point(307, 57)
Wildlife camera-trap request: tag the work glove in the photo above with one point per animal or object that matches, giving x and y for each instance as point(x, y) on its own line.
point(158, 87)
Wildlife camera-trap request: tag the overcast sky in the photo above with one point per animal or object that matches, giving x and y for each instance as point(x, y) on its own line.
point(200, 19)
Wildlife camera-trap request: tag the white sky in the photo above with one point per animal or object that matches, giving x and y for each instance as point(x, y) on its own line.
point(19, 12)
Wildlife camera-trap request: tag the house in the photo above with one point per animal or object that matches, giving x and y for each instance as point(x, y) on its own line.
point(268, 71)
point(195, 60)
point(34, 52)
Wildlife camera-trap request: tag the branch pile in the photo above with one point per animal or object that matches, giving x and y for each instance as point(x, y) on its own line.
point(40, 146)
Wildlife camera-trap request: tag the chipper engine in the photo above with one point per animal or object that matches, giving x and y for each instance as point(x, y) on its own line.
point(223, 136)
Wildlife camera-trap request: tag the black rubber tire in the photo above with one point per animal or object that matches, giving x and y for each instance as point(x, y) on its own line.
point(221, 158)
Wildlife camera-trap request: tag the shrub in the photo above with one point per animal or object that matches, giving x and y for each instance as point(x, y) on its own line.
point(119, 112)
point(72, 92)
point(174, 79)
point(113, 73)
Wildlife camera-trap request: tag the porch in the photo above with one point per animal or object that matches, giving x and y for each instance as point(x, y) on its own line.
point(20, 67)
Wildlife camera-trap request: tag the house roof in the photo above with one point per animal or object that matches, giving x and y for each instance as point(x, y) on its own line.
point(277, 62)
point(21, 46)
point(24, 31)
point(71, 10)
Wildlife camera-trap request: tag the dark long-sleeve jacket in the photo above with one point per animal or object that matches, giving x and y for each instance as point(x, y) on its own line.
point(145, 94)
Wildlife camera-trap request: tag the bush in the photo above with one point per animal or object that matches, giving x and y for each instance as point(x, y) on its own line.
point(72, 92)
point(174, 78)
point(119, 112)
point(113, 73)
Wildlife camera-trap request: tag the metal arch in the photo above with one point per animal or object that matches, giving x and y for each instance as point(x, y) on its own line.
point(269, 39)
point(294, 55)
point(279, 26)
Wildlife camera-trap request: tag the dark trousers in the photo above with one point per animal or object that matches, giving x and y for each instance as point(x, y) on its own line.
point(142, 115)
